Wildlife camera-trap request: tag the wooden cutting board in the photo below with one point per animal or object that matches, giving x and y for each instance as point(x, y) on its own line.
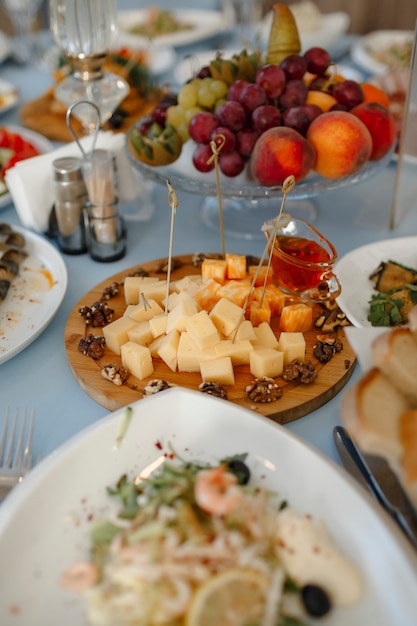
point(297, 399)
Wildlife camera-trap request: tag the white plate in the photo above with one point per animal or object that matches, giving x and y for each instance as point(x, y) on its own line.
point(34, 296)
point(9, 95)
point(5, 47)
point(355, 268)
point(46, 521)
point(376, 42)
point(161, 59)
point(332, 26)
point(191, 64)
point(39, 141)
point(205, 24)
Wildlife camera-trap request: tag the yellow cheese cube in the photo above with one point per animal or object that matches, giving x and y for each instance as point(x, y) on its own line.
point(265, 337)
point(179, 314)
point(158, 324)
point(202, 330)
point(154, 346)
point(226, 316)
point(213, 268)
point(293, 346)
point(132, 286)
point(245, 330)
point(189, 356)
point(141, 333)
point(137, 360)
point(168, 347)
point(143, 311)
point(266, 362)
point(189, 283)
point(115, 333)
point(156, 290)
point(235, 266)
point(238, 351)
point(218, 371)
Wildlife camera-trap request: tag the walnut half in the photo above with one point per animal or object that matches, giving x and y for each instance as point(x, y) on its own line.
point(263, 390)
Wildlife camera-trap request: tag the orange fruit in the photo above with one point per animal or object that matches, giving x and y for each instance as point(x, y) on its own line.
point(320, 98)
point(372, 93)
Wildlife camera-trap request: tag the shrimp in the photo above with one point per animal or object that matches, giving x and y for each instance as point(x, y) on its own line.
point(217, 492)
point(81, 576)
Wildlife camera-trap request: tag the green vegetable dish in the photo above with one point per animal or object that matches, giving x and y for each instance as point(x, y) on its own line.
point(396, 287)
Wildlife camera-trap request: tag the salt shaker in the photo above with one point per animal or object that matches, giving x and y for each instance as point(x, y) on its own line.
point(70, 200)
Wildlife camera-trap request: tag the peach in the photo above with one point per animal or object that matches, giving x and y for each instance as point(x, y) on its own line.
point(381, 124)
point(322, 99)
point(342, 143)
point(278, 153)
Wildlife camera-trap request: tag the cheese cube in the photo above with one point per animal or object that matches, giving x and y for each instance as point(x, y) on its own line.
point(213, 268)
point(261, 273)
point(143, 311)
point(296, 318)
point(235, 290)
point(189, 356)
point(273, 296)
point(218, 371)
point(168, 347)
point(259, 314)
point(202, 330)
point(154, 346)
point(265, 337)
point(179, 314)
point(206, 295)
point(226, 316)
point(293, 346)
point(115, 333)
point(235, 266)
point(245, 330)
point(154, 291)
point(132, 286)
point(137, 360)
point(141, 333)
point(158, 324)
point(238, 351)
point(189, 283)
point(266, 362)
point(176, 297)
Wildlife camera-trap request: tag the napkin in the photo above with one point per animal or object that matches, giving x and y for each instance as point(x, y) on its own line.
point(360, 340)
point(30, 182)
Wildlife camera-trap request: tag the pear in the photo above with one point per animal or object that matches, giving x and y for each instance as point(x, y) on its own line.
point(283, 38)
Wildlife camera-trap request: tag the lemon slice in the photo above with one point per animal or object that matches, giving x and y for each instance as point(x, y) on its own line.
point(232, 598)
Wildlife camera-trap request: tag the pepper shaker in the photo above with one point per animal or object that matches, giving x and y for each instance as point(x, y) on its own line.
point(70, 200)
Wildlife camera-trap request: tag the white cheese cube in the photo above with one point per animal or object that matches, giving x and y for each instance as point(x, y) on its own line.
point(158, 325)
point(265, 336)
point(132, 286)
point(266, 362)
point(293, 345)
point(237, 350)
point(177, 317)
point(226, 316)
point(189, 356)
point(218, 371)
point(245, 331)
point(188, 283)
point(115, 333)
point(154, 346)
point(168, 347)
point(154, 291)
point(141, 333)
point(201, 328)
point(137, 360)
point(144, 310)
point(176, 297)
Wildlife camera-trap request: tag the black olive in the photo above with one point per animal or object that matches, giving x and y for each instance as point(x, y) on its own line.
point(240, 470)
point(316, 601)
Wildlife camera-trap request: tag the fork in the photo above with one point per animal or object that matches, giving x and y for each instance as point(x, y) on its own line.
point(15, 449)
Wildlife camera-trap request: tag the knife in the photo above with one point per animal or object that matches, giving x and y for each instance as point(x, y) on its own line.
point(375, 473)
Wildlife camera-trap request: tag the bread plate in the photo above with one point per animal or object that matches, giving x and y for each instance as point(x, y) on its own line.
point(45, 528)
point(355, 268)
point(380, 51)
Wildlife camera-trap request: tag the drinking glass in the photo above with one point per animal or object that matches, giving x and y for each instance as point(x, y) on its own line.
point(246, 16)
point(85, 30)
point(22, 14)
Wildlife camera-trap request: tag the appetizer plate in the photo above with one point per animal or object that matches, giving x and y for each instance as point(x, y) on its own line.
point(9, 96)
point(204, 24)
point(376, 51)
point(34, 296)
point(331, 27)
point(5, 47)
point(39, 141)
point(297, 399)
point(355, 268)
point(46, 521)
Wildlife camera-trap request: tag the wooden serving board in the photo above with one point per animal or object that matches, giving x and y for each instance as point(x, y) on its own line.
point(297, 399)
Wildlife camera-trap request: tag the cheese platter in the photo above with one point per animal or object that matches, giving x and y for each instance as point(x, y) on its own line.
point(296, 401)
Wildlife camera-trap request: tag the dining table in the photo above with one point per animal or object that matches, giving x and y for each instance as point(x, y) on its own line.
point(40, 376)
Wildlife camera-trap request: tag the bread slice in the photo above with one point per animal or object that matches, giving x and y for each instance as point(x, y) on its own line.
point(371, 411)
point(395, 354)
point(408, 465)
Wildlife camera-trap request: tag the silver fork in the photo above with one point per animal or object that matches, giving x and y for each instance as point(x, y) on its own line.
point(15, 449)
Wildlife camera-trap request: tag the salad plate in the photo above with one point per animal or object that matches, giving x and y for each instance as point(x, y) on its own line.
point(39, 141)
point(34, 296)
point(382, 51)
point(198, 25)
point(44, 528)
point(355, 268)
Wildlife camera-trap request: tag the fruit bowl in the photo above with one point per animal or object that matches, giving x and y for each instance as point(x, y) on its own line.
point(246, 204)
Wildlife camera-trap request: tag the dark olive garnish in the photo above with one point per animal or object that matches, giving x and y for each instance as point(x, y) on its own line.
point(316, 601)
point(240, 470)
